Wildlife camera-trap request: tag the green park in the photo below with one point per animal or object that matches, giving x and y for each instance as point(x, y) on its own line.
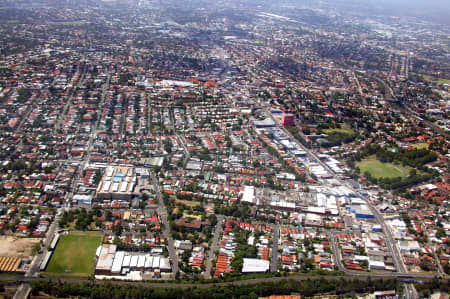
point(378, 169)
point(75, 254)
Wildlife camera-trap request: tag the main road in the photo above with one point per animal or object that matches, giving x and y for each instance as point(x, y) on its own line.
point(23, 291)
point(162, 211)
point(187, 154)
point(402, 271)
point(389, 240)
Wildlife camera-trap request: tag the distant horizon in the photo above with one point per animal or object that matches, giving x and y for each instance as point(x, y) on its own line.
point(435, 10)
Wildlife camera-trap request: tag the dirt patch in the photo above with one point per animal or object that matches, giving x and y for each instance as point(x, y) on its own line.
point(188, 203)
point(17, 247)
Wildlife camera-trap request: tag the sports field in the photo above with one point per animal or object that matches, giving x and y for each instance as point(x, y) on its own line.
point(75, 254)
point(436, 80)
point(343, 130)
point(379, 169)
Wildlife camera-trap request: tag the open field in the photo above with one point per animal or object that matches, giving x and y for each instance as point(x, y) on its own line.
point(382, 170)
point(340, 131)
point(437, 80)
point(188, 203)
point(420, 145)
point(75, 253)
point(339, 135)
point(17, 247)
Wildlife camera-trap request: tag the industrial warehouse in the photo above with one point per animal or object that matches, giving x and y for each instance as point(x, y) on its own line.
point(112, 262)
point(117, 183)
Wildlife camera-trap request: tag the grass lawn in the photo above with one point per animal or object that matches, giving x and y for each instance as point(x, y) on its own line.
point(75, 253)
point(342, 130)
point(382, 170)
point(436, 80)
point(420, 145)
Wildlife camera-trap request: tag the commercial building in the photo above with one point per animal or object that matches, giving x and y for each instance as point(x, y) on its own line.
point(376, 265)
point(361, 212)
point(117, 183)
point(113, 262)
point(255, 266)
point(117, 263)
point(106, 254)
point(249, 194)
point(287, 120)
point(266, 123)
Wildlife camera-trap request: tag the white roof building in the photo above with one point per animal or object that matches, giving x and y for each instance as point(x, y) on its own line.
point(156, 262)
point(164, 264)
point(376, 265)
point(134, 261)
point(126, 261)
point(249, 194)
point(141, 261)
point(106, 258)
point(118, 261)
point(148, 262)
point(255, 266)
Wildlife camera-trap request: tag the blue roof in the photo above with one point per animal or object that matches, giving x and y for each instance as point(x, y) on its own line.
point(117, 179)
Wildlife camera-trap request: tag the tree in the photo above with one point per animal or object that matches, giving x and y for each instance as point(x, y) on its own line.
point(212, 219)
point(117, 229)
point(364, 264)
point(185, 256)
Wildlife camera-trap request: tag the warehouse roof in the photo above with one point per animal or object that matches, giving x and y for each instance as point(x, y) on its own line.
point(255, 265)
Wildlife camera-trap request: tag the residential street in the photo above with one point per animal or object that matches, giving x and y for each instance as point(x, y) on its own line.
point(214, 246)
point(166, 230)
point(275, 240)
